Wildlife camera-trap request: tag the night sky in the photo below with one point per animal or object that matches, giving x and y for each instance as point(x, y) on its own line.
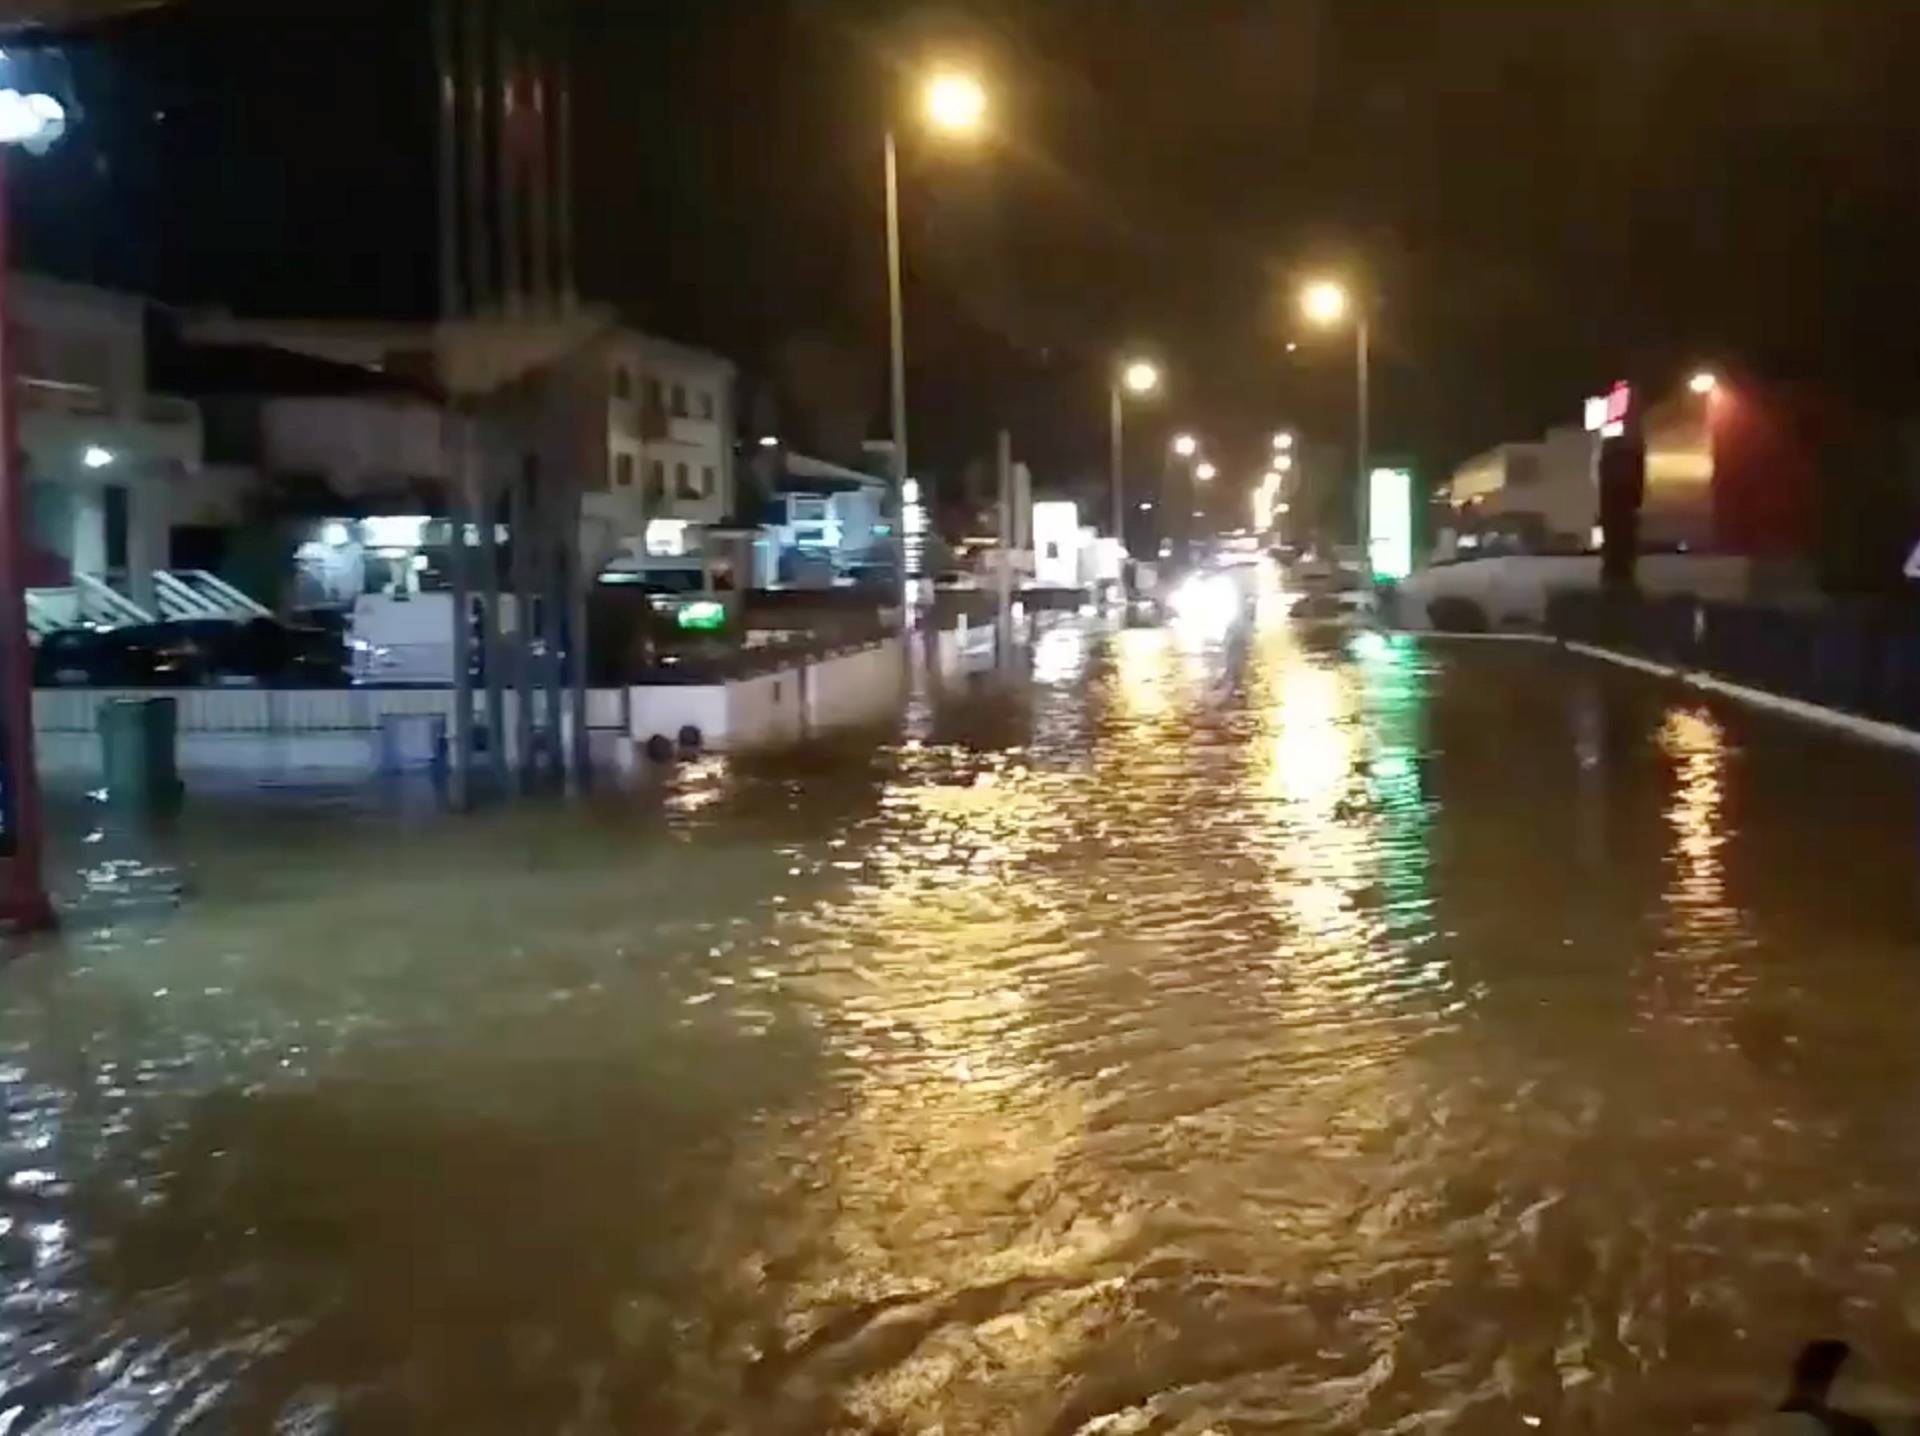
point(1538, 198)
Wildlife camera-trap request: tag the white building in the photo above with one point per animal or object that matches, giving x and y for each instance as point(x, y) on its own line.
point(825, 521)
point(643, 424)
point(1539, 497)
point(669, 437)
point(104, 455)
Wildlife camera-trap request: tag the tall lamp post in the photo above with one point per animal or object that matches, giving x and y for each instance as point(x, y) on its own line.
point(1326, 302)
point(33, 121)
point(1136, 378)
point(953, 103)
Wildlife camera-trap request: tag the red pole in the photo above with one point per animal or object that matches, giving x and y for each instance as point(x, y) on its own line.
point(23, 899)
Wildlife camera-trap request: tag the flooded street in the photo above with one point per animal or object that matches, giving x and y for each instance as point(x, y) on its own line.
point(1268, 1031)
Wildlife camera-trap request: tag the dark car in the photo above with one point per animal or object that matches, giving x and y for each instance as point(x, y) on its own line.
point(91, 658)
point(185, 653)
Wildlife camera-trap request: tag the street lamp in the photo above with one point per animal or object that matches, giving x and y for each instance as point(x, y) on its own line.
point(954, 104)
point(1704, 382)
point(1204, 471)
point(1185, 445)
point(1326, 302)
point(1283, 441)
point(32, 121)
point(1139, 378)
point(1283, 462)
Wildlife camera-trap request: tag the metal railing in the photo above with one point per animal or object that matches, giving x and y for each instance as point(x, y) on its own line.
point(195, 593)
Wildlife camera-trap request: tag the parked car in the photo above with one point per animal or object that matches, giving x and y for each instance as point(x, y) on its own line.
point(185, 653)
point(91, 658)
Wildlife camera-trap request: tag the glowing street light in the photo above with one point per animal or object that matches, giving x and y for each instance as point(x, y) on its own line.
point(1324, 302)
point(1270, 480)
point(1704, 382)
point(769, 441)
point(1204, 471)
point(1136, 378)
point(1185, 445)
point(34, 121)
point(1283, 441)
point(1283, 462)
point(956, 103)
point(95, 457)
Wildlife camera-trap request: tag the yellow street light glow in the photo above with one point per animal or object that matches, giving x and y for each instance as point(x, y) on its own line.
point(1705, 382)
point(1283, 462)
point(956, 103)
point(1140, 377)
point(1324, 302)
point(1185, 445)
point(1204, 472)
point(1283, 441)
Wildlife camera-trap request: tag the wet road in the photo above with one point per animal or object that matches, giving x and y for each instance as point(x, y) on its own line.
point(1214, 1034)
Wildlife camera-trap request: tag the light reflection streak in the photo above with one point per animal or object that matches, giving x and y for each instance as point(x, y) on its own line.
point(1702, 926)
point(1334, 782)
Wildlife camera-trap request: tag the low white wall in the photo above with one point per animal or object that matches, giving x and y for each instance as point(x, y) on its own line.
point(665, 709)
point(967, 648)
point(854, 688)
point(1512, 589)
point(787, 704)
point(767, 710)
point(266, 732)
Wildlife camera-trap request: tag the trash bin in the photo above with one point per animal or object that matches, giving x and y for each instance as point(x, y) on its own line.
point(137, 752)
point(412, 741)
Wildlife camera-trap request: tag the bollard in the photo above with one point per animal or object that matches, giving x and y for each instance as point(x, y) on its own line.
point(137, 753)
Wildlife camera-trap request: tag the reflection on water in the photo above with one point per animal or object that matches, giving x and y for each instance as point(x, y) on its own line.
point(1219, 1029)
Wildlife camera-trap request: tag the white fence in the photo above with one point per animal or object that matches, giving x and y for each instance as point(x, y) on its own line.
point(267, 731)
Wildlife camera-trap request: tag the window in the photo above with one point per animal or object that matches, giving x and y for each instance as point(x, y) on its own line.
point(623, 470)
point(622, 382)
point(682, 485)
point(653, 394)
point(656, 481)
point(679, 401)
point(706, 482)
point(706, 403)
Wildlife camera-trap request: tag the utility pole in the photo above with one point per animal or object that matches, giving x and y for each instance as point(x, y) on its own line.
point(460, 457)
point(1003, 629)
point(23, 898)
point(897, 367)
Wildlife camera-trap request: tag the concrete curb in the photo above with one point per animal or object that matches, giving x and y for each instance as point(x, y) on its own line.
point(1873, 730)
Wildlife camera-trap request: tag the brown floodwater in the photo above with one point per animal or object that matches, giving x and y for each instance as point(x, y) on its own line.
point(1245, 1032)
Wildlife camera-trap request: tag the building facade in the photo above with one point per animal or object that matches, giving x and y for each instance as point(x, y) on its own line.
point(642, 425)
point(105, 456)
point(669, 460)
point(1533, 497)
